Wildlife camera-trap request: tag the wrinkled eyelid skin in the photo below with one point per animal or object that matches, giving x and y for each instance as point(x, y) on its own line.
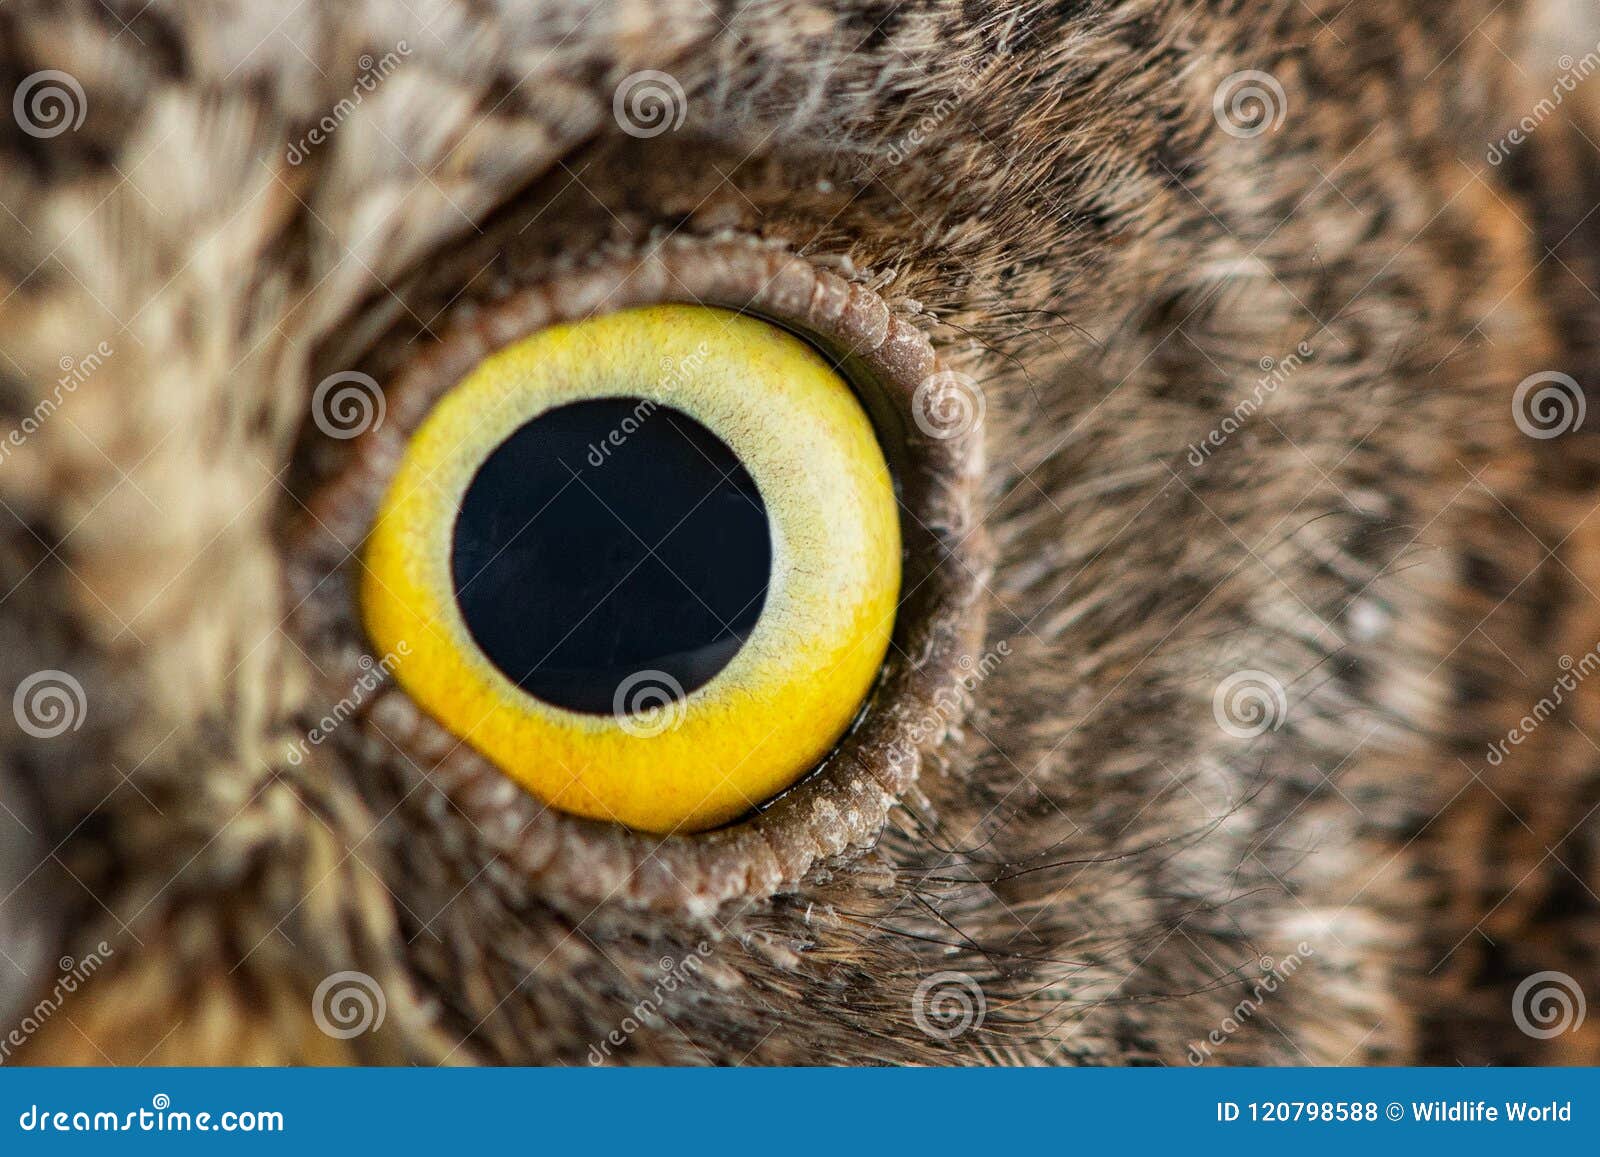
point(839, 809)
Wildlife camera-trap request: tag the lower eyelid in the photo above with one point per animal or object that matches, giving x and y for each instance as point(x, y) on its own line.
point(842, 805)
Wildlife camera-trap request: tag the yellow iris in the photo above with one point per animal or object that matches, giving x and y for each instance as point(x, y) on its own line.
point(659, 763)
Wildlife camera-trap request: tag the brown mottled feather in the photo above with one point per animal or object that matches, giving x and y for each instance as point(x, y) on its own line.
point(1074, 231)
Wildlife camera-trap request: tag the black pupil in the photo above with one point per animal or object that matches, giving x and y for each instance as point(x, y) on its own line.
point(607, 538)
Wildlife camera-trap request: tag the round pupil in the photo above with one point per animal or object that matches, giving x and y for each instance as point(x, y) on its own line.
point(607, 538)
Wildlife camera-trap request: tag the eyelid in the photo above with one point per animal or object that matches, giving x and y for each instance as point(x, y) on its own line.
point(843, 805)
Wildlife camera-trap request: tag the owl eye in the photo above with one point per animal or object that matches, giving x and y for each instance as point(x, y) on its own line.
point(647, 564)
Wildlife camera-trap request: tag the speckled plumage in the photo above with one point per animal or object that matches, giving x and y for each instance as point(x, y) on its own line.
point(1045, 192)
